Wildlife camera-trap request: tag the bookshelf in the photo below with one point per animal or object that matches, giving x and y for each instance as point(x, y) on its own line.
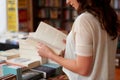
point(53, 12)
point(25, 15)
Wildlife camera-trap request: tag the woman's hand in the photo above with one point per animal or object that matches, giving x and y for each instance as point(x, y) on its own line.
point(63, 52)
point(44, 51)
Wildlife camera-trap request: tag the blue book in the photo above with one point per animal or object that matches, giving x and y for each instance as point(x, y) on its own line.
point(12, 69)
point(57, 67)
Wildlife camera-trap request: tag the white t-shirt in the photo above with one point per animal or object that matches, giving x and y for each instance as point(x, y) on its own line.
point(88, 39)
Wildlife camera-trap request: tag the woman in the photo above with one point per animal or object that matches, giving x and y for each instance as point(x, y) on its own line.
point(91, 44)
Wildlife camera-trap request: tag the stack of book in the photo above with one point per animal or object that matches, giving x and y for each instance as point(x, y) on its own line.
point(29, 58)
point(24, 62)
point(41, 72)
point(21, 75)
point(48, 70)
point(10, 69)
point(9, 54)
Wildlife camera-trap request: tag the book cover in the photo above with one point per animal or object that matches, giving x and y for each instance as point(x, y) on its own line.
point(57, 67)
point(50, 36)
point(10, 69)
point(25, 62)
point(31, 75)
point(47, 71)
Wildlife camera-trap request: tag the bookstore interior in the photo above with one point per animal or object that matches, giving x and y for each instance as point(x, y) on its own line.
point(21, 22)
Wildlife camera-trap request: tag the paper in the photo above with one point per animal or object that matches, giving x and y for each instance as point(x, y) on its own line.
point(50, 36)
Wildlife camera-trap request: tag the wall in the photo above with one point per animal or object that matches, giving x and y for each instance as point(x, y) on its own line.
point(3, 17)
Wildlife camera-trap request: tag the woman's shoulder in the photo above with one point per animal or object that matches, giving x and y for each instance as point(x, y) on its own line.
point(85, 15)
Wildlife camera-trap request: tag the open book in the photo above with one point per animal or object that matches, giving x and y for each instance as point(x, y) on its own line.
point(50, 36)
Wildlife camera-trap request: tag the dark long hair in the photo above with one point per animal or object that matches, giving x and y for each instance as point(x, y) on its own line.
point(105, 14)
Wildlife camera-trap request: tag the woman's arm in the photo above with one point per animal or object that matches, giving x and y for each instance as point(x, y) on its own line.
point(81, 65)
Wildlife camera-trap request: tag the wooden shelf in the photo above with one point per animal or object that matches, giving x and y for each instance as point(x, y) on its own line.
point(53, 12)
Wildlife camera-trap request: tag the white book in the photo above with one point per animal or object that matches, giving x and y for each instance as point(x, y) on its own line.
point(9, 54)
point(25, 62)
point(48, 35)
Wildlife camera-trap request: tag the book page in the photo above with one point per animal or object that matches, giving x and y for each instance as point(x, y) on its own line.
point(50, 36)
point(35, 42)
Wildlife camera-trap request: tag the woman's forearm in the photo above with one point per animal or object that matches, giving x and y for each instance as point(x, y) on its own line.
point(73, 65)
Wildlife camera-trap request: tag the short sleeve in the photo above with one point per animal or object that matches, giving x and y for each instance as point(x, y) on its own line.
point(83, 36)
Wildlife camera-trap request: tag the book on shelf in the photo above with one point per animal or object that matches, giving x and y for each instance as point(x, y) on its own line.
point(41, 2)
point(54, 14)
point(50, 3)
point(24, 62)
point(9, 54)
point(50, 36)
